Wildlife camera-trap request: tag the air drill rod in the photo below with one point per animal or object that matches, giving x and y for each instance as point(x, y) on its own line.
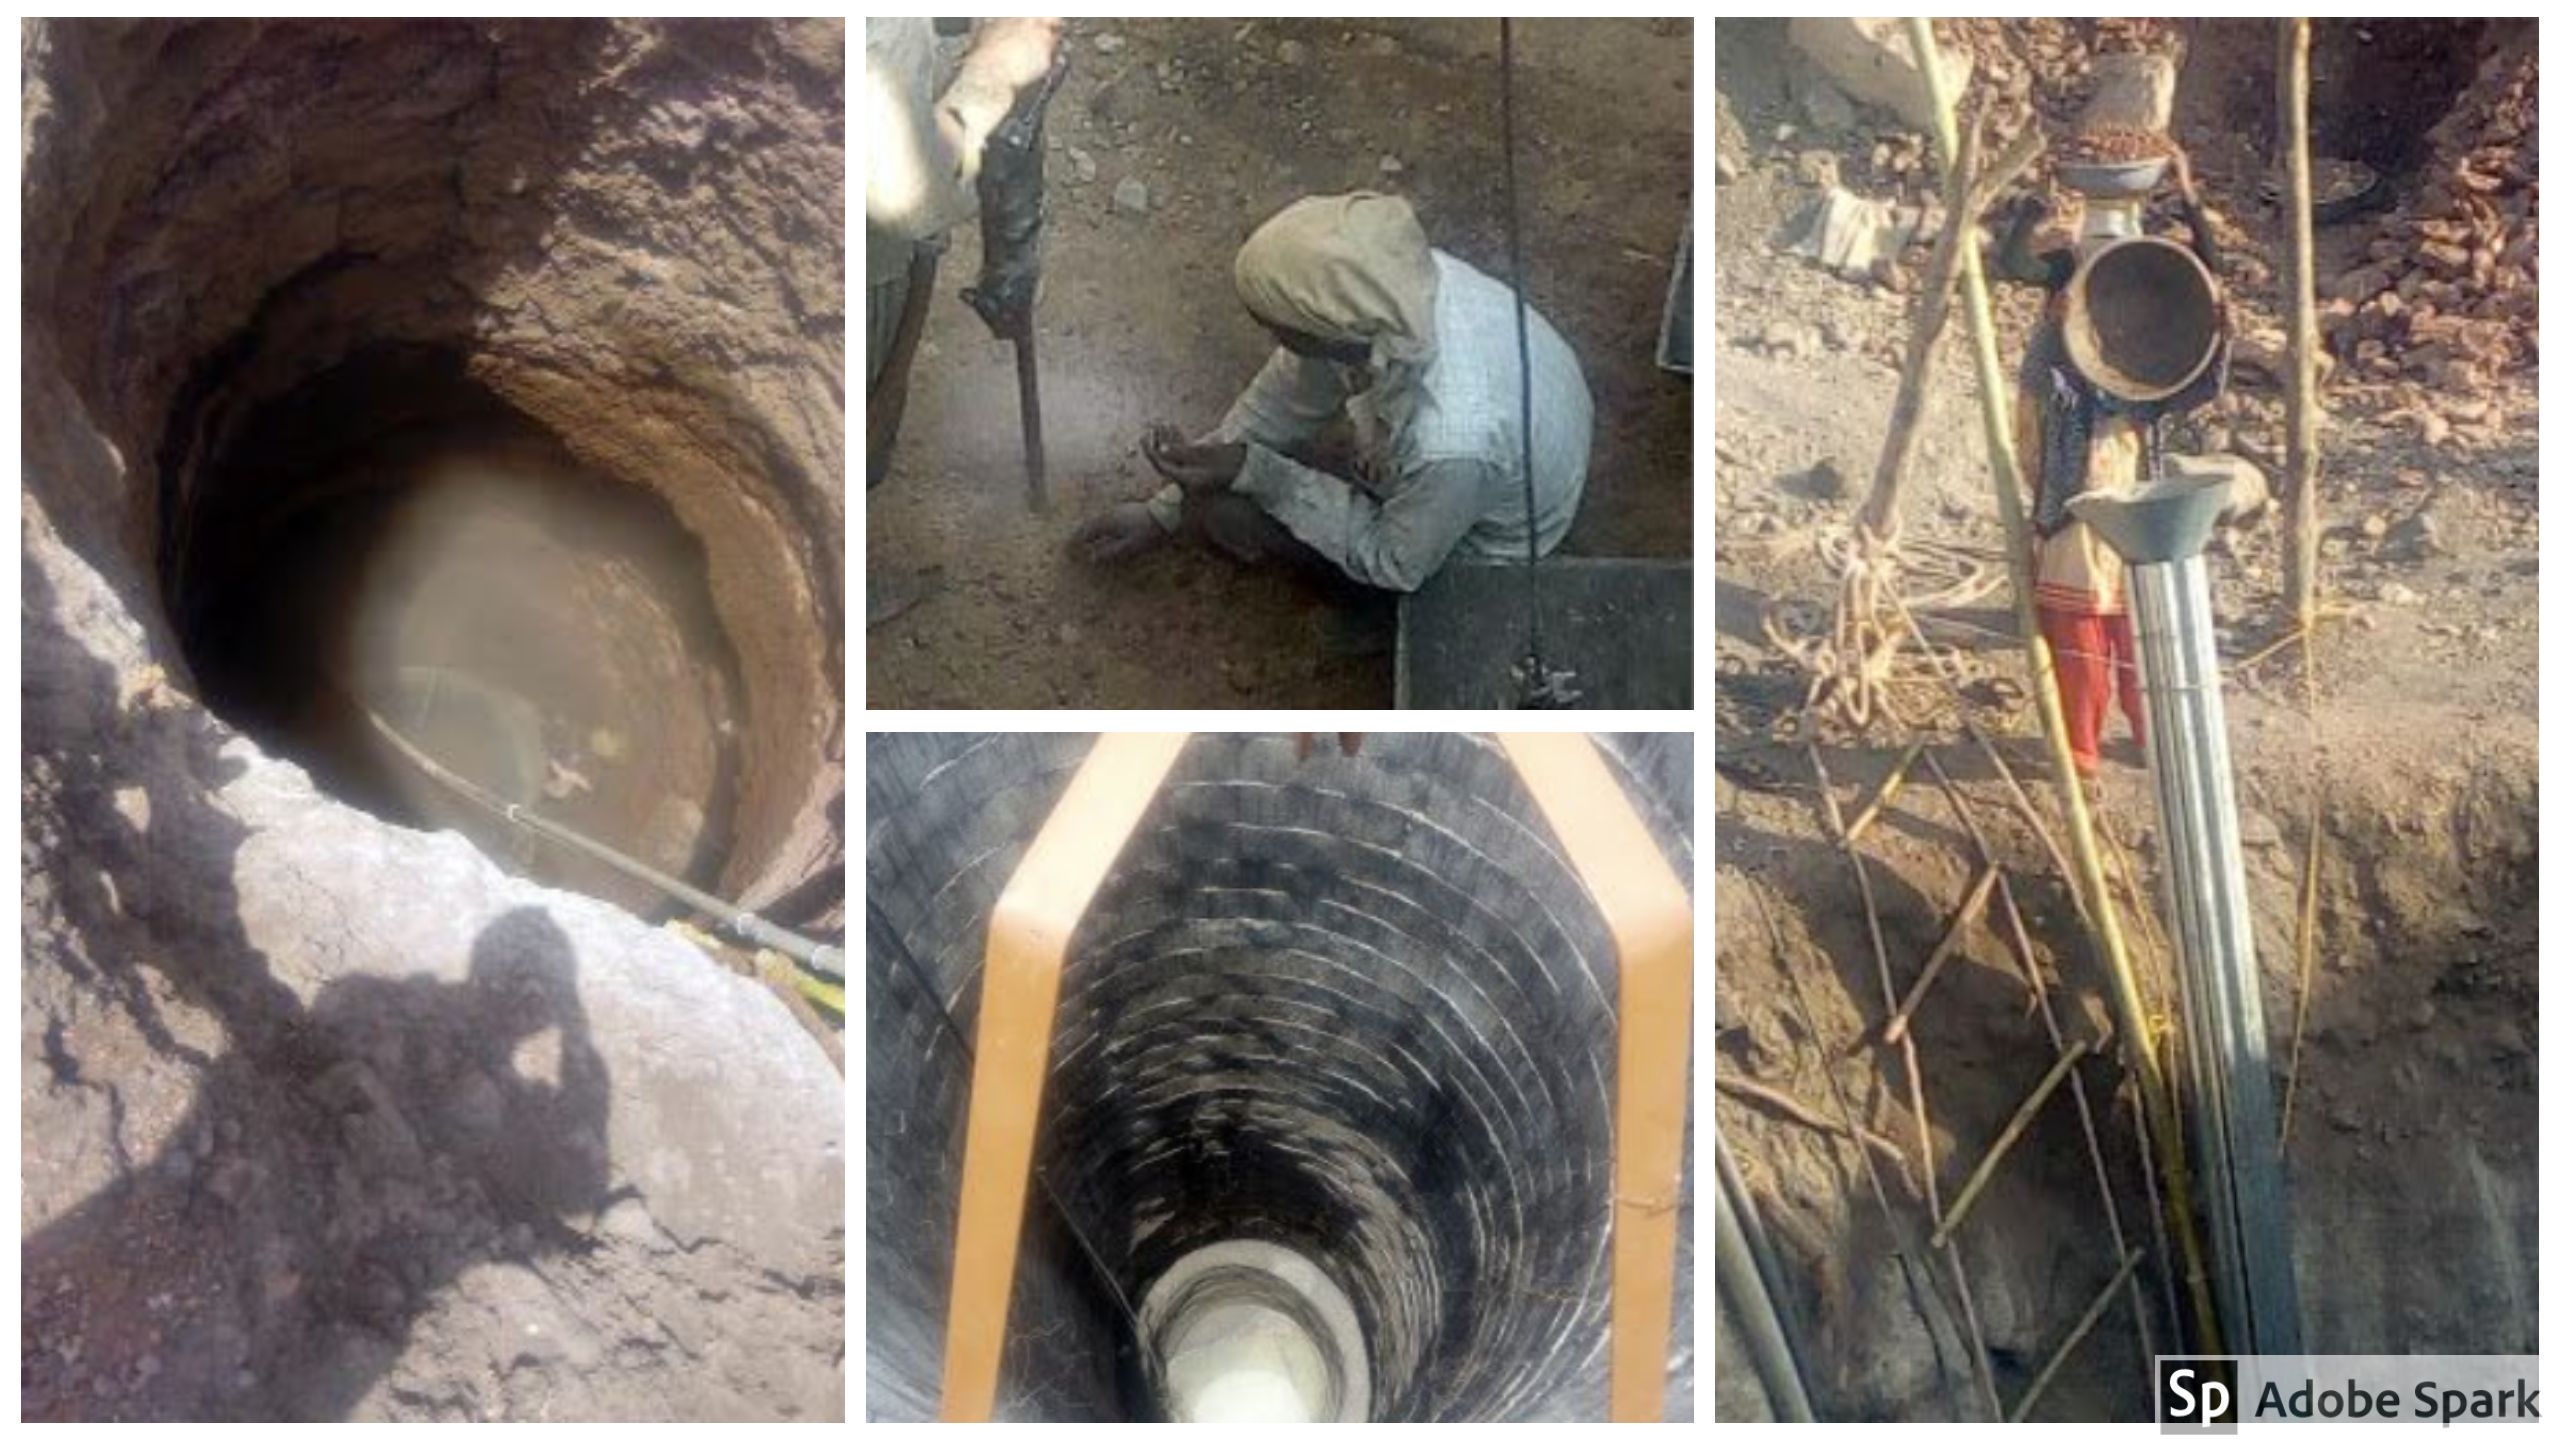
point(1010, 219)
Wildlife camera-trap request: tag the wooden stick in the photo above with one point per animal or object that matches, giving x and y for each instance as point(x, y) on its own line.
point(2009, 1133)
point(2302, 336)
point(1881, 515)
point(2024, 804)
point(2079, 1332)
point(1991, 388)
point(1925, 1300)
point(1970, 190)
point(2281, 643)
point(2044, 1006)
point(1949, 942)
point(1789, 1107)
point(1912, 1081)
point(2151, 1189)
point(1885, 792)
point(2088, 1125)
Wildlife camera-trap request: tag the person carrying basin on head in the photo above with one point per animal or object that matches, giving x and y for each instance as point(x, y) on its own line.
point(2088, 426)
point(1416, 353)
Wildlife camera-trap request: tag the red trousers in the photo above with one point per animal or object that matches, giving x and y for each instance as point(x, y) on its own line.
point(2091, 654)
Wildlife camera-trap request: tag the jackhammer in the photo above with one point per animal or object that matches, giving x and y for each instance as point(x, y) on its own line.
point(1010, 218)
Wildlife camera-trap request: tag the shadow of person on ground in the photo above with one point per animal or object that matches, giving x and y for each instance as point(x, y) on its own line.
point(328, 1186)
point(338, 1166)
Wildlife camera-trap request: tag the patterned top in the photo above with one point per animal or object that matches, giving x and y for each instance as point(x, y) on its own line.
point(2075, 570)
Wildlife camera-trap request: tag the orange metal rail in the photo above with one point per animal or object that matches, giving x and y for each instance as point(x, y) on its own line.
point(1017, 1003)
point(1648, 913)
point(1640, 898)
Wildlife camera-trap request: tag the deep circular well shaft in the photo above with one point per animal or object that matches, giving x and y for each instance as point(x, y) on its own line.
point(1355, 1007)
point(441, 378)
point(390, 545)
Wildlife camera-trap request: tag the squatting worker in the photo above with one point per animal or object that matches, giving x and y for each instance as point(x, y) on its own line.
point(2073, 439)
point(920, 161)
point(1417, 352)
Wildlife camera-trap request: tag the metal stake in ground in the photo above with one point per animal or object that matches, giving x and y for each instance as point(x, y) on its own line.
point(2160, 530)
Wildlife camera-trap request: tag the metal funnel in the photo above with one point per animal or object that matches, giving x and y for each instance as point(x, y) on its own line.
point(2168, 519)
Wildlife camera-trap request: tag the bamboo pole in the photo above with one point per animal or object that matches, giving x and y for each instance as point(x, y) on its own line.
point(2090, 870)
point(2302, 338)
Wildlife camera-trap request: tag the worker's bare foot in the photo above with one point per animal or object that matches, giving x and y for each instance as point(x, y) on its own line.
point(1123, 532)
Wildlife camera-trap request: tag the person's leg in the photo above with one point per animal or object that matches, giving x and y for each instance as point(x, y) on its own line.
point(2129, 681)
point(2082, 670)
point(1243, 532)
point(893, 315)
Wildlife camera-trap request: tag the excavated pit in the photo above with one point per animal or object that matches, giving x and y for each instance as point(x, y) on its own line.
point(1354, 1008)
point(506, 352)
point(392, 545)
point(2412, 1160)
point(485, 377)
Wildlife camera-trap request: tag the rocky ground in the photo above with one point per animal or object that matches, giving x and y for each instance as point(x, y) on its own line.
point(2417, 1076)
point(324, 1117)
point(1169, 142)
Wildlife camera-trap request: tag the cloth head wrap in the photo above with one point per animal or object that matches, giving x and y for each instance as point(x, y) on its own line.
point(1353, 268)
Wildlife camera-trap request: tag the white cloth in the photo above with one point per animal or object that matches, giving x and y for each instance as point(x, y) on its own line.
point(912, 186)
point(1444, 480)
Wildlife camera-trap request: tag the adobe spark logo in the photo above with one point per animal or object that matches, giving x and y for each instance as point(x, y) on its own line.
point(2197, 1394)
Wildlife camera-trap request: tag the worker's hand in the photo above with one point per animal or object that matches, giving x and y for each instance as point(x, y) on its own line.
point(1125, 530)
point(1196, 468)
point(1006, 58)
point(1012, 54)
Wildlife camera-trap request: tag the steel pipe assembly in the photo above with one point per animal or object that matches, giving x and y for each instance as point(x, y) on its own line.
point(1330, 1095)
point(2160, 529)
point(1746, 1271)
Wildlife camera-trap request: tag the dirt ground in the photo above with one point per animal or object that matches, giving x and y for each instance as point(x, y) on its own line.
point(1225, 121)
point(2412, 1158)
